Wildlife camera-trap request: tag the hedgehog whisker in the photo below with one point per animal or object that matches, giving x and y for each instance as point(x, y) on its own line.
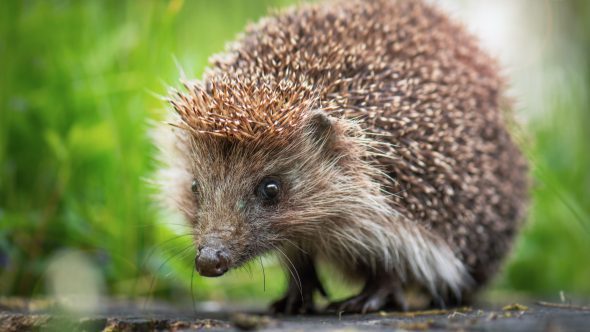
point(293, 271)
point(263, 274)
point(153, 281)
point(192, 291)
point(152, 252)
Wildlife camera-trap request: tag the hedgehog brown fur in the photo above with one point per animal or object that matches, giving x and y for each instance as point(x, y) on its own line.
point(384, 126)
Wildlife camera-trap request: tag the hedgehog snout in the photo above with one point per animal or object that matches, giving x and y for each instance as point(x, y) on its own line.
point(212, 260)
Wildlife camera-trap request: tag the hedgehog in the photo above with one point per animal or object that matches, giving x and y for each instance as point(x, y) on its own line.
point(369, 135)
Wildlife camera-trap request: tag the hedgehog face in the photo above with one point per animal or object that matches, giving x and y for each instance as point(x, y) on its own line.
point(245, 198)
point(232, 201)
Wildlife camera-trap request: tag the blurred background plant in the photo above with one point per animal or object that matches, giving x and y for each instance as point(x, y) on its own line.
point(80, 80)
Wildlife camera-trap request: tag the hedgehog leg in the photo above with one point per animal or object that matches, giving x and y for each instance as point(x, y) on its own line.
point(303, 282)
point(378, 293)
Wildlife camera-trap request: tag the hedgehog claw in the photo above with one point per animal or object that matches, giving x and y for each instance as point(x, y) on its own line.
point(373, 297)
point(294, 303)
point(299, 296)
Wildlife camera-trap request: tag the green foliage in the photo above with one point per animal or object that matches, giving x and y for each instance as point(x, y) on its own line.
point(77, 86)
point(554, 251)
point(77, 89)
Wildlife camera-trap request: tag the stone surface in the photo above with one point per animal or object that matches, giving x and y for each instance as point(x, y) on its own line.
point(19, 315)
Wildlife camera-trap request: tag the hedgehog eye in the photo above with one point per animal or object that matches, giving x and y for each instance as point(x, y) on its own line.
point(269, 189)
point(195, 187)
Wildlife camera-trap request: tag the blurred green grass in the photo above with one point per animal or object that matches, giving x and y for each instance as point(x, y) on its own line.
point(77, 86)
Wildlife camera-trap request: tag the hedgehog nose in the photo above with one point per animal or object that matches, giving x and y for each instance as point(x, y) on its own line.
point(212, 262)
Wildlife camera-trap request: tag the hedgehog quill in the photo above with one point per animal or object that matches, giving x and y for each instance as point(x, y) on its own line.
point(368, 134)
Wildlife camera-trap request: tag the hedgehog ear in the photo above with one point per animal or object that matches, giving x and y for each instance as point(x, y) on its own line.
point(321, 128)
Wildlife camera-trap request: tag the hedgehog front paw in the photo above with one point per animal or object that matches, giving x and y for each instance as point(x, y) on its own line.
point(293, 303)
point(298, 301)
point(374, 296)
point(299, 297)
